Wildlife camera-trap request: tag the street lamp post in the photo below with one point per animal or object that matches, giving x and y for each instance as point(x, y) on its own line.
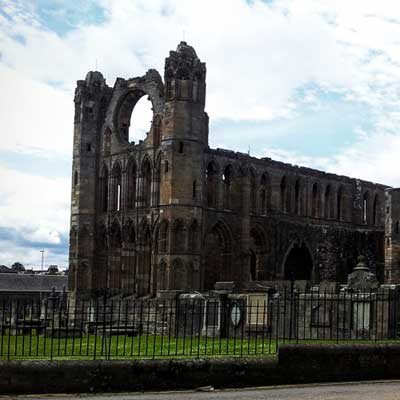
point(41, 278)
point(41, 270)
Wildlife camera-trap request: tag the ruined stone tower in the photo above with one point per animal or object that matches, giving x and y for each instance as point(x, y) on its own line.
point(170, 213)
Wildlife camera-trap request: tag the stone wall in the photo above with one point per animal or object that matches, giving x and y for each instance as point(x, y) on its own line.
point(170, 213)
point(328, 363)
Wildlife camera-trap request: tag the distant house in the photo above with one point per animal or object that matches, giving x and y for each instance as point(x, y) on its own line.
point(7, 270)
point(30, 287)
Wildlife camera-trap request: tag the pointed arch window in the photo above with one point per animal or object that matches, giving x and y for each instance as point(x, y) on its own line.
point(339, 204)
point(327, 202)
point(131, 185)
point(375, 211)
point(146, 183)
point(212, 184)
point(193, 237)
point(104, 189)
point(163, 237)
point(179, 237)
point(263, 196)
point(297, 197)
point(157, 183)
point(116, 187)
point(365, 208)
point(227, 184)
point(283, 194)
point(253, 191)
point(315, 201)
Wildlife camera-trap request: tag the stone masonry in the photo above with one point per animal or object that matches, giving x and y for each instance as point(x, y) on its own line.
point(170, 213)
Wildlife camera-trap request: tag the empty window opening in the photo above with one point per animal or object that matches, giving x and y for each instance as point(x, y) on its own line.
point(88, 147)
point(146, 184)
point(75, 178)
point(263, 195)
point(116, 187)
point(157, 184)
point(181, 147)
point(227, 180)
point(365, 209)
point(212, 185)
point(131, 185)
point(297, 198)
point(194, 190)
point(283, 195)
point(104, 189)
point(375, 211)
point(262, 201)
point(397, 227)
point(339, 204)
point(315, 201)
point(253, 189)
point(141, 119)
point(327, 202)
point(166, 166)
point(119, 197)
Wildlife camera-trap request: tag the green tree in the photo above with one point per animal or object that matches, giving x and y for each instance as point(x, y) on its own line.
point(52, 270)
point(18, 267)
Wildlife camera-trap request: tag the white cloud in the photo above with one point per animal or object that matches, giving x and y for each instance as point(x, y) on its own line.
point(258, 54)
point(35, 116)
point(373, 158)
point(37, 209)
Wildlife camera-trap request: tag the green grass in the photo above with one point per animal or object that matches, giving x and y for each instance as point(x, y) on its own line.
point(144, 347)
point(121, 347)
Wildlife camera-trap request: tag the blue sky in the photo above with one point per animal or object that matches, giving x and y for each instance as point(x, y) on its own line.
point(314, 83)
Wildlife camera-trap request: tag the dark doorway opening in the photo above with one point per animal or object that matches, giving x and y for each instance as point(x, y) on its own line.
point(299, 264)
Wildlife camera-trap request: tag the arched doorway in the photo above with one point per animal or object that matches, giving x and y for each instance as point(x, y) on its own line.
point(298, 263)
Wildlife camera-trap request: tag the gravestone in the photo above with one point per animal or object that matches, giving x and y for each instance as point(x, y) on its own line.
point(362, 279)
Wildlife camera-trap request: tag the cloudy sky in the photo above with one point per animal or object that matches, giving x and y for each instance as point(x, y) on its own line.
point(315, 83)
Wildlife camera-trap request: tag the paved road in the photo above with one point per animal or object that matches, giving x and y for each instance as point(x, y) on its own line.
point(354, 391)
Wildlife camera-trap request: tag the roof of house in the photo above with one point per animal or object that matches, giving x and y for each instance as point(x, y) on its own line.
point(32, 283)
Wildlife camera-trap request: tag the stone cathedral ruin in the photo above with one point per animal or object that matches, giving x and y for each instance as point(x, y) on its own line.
point(171, 214)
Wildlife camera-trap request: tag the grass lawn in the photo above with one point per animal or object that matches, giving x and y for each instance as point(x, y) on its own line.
point(142, 347)
point(122, 347)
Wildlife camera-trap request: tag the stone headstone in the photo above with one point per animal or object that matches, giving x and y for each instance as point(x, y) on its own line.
point(328, 287)
point(301, 286)
point(258, 286)
point(228, 287)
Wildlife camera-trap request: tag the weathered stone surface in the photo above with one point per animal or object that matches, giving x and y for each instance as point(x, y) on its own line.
point(362, 278)
point(324, 363)
point(170, 213)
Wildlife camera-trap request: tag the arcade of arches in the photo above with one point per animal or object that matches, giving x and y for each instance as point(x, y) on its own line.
point(169, 213)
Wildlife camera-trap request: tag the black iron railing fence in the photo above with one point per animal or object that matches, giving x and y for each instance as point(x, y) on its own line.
point(194, 325)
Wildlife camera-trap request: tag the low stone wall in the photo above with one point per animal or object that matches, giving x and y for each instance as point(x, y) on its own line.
point(294, 364)
point(24, 377)
point(323, 363)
